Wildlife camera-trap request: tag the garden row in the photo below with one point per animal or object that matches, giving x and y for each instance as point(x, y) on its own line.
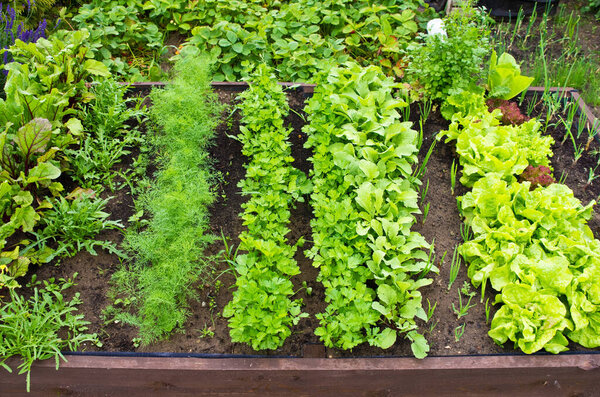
point(527, 235)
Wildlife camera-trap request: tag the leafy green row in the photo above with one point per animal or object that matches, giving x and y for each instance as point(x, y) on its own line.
point(533, 246)
point(168, 251)
point(262, 311)
point(364, 201)
point(296, 37)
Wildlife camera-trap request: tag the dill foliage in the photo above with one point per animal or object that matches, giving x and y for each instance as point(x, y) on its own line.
point(169, 250)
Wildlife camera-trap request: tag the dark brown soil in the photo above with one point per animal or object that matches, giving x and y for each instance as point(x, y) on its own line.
point(441, 225)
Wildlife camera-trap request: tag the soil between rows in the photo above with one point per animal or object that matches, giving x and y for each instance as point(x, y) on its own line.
point(441, 226)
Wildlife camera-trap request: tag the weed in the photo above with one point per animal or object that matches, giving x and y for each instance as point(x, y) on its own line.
point(207, 332)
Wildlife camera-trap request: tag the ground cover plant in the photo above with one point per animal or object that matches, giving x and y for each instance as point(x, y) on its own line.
point(199, 242)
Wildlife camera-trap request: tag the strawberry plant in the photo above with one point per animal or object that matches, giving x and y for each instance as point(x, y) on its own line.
point(364, 201)
point(262, 312)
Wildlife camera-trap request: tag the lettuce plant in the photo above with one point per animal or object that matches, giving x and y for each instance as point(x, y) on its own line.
point(537, 176)
point(485, 147)
point(504, 77)
point(535, 247)
point(530, 240)
point(511, 114)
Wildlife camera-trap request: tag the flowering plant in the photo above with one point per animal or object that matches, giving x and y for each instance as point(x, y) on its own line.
point(11, 29)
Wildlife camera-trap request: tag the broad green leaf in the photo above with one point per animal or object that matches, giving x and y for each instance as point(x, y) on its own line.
point(33, 137)
point(74, 126)
point(419, 345)
point(96, 68)
point(41, 172)
point(369, 169)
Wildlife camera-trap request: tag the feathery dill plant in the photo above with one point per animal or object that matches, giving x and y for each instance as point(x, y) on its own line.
point(168, 252)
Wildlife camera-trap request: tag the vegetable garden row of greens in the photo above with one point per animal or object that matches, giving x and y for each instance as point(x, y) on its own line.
point(71, 140)
point(364, 200)
point(530, 241)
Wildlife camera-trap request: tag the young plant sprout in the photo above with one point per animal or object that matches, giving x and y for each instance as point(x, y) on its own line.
point(425, 109)
point(592, 132)
point(424, 191)
point(463, 309)
point(454, 267)
point(419, 172)
point(459, 331)
point(426, 212)
point(430, 310)
point(465, 232)
point(487, 310)
point(453, 171)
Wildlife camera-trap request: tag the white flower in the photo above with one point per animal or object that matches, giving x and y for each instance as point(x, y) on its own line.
point(436, 27)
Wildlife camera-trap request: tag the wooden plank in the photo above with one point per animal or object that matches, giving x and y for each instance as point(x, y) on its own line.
point(572, 375)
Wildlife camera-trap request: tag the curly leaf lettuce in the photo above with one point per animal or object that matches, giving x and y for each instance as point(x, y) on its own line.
point(531, 319)
point(487, 148)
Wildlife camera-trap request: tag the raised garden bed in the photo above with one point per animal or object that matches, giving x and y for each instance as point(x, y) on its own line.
point(216, 366)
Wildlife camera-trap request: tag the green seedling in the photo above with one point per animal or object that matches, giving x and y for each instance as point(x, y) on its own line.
point(420, 172)
point(465, 232)
point(426, 211)
point(563, 177)
point(207, 332)
point(453, 171)
point(454, 267)
point(459, 331)
point(430, 309)
point(430, 263)
point(463, 309)
point(424, 191)
point(425, 109)
point(487, 310)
